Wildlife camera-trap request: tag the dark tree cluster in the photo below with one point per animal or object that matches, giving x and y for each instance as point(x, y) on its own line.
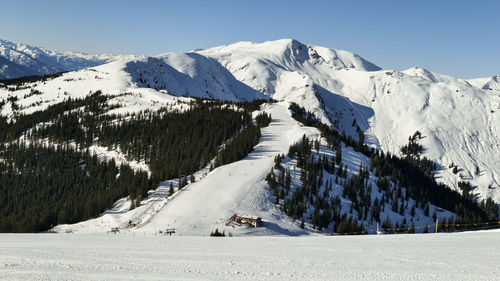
point(314, 190)
point(263, 119)
point(172, 143)
point(413, 149)
point(243, 143)
point(11, 130)
point(15, 84)
point(399, 179)
point(217, 233)
point(418, 179)
point(41, 186)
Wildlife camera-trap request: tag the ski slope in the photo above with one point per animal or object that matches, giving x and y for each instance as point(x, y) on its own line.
point(453, 256)
point(240, 188)
point(203, 206)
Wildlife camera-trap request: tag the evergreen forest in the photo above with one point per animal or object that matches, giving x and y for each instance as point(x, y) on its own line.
point(48, 175)
point(405, 183)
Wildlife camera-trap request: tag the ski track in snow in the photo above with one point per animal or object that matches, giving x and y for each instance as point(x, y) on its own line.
point(203, 206)
point(444, 256)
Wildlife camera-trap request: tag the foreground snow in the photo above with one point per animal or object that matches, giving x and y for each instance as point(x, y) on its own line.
point(457, 256)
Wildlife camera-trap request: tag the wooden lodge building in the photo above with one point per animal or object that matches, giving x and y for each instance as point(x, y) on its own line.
point(250, 220)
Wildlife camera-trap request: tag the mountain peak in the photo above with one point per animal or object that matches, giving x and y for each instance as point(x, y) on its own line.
point(293, 51)
point(487, 83)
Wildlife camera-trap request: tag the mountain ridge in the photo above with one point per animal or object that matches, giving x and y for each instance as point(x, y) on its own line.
point(458, 119)
point(26, 60)
point(341, 88)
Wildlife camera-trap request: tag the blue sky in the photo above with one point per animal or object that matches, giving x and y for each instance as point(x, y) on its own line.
point(460, 38)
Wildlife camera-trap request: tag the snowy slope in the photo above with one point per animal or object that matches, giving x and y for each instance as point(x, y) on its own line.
point(490, 83)
point(446, 256)
point(202, 206)
point(144, 83)
point(459, 119)
point(18, 60)
point(352, 161)
point(287, 69)
point(109, 78)
point(189, 74)
point(461, 123)
point(240, 188)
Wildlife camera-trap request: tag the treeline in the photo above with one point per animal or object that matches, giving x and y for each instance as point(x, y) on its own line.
point(11, 130)
point(243, 143)
point(16, 83)
point(43, 186)
point(172, 143)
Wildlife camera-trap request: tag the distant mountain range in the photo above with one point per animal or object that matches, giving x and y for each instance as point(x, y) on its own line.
point(17, 60)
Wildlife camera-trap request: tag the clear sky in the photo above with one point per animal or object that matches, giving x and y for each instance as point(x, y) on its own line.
point(460, 38)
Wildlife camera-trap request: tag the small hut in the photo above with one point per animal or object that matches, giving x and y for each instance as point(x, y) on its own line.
point(251, 220)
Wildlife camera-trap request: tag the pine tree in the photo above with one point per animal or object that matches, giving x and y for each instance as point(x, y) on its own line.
point(171, 190)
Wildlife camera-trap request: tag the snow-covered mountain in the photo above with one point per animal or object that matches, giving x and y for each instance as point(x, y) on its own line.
point(189, 74)
point(17, 60)
point(489, 83)
point(458, 119)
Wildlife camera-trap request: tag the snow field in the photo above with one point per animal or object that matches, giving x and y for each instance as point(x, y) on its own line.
point(456, 256)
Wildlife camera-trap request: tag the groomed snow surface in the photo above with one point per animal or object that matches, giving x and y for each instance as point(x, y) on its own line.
point(207, 204)
point(444, 256)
